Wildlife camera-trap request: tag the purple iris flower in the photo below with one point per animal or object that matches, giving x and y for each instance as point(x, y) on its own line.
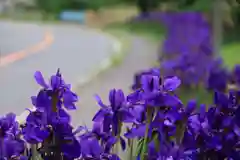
point(67, 140)
point(187, 40)
point(11, 149)
point(115, 113)
point(49, 123)
point(216, 130)
point(96, 144)
point(137, 77)
point(156, 93)
point(11, 144)
point(9, 126)
point(57, 89)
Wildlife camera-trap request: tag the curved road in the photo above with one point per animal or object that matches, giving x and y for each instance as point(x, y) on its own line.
point(25, 48)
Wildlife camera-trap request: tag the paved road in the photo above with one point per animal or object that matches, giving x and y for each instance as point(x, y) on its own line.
point(76, 51)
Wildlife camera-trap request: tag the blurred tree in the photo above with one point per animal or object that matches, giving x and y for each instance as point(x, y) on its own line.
point(143, 6)
point(51, 7)
point(146, 6)
point(217, 25)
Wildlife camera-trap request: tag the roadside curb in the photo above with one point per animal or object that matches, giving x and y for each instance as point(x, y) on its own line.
point(103, 66)
point(105, 63)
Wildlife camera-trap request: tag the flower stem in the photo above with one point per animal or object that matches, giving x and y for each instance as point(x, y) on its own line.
point(55, 102)
point(34, 152)
point(131, 148)
point(116, 146)
point(145, 142)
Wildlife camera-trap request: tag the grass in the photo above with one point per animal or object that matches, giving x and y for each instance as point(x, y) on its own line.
point(231, 47)
point(123, 37)
point(20, 15)
point(152, 30)
point(231, 54)
point(200, 94)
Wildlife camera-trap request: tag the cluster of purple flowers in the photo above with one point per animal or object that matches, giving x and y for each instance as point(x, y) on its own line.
point(187, 50)
point(163, 127)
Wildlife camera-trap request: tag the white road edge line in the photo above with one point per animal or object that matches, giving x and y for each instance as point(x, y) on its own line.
point(106, 63)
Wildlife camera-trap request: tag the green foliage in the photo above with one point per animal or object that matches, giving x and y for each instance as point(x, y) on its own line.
point(236, 15)
point(55, 6)
point(199, 93)
point(51, 6)
point(195, 5)
point(139, 146)
point(152, 30)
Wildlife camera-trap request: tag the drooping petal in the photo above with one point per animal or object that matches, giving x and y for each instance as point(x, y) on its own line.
point(96, 149)
point(11, 148)
point(171, 100)
point(138, 112)
point(97, 127)
point(69, 96)
point(109, 144)
point(134, 97)
point(69, 100)
point(136, 132)
point(99, 101)
point(34, 134)
point(43, 101)
point(171, 84)
point(85, 147)
point(99, 116)
point(40, 80)
point(69, 106)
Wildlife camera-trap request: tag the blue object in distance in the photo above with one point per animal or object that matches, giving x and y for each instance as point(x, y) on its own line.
point(73, 16)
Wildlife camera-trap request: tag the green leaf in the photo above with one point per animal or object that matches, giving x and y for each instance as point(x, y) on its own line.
point(180, 132)
point(139, 146)
point(156, 141)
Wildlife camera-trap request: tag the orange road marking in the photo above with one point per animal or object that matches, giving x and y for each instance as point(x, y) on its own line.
point(15, 56)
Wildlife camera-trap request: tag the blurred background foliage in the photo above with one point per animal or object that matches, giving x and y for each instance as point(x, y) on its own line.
point(231, 8)
point(54, 7)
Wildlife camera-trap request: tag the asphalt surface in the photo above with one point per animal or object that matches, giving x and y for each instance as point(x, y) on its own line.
point(76, 51)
